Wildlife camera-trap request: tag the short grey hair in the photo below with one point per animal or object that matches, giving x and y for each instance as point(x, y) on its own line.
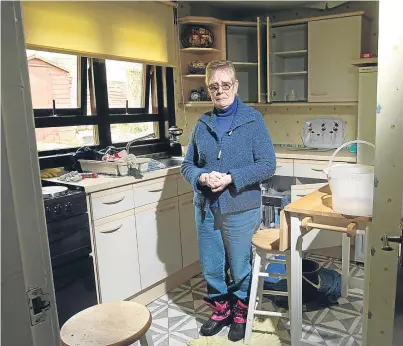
point(216, 65)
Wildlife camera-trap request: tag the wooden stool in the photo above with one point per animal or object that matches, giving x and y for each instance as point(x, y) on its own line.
point(267, 242)
point(108, 324)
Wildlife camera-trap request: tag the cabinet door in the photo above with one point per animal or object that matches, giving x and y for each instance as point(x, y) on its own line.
point(332, 45)
point(159, 240)
point(117, 257)
point(268, 60)
point(367, 114)
point(315, 239)
point(262, 61)
point(190, 251)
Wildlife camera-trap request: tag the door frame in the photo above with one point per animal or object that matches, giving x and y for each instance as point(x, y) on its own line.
point(381, 266)
point(24, 224)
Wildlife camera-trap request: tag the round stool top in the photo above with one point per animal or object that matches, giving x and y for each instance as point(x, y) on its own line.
point(267, 239)
point(108, 324)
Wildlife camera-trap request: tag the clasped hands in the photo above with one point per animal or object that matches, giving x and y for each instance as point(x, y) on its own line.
point(215, 180)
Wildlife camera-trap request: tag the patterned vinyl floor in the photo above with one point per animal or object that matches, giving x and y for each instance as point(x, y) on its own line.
point(178, 315)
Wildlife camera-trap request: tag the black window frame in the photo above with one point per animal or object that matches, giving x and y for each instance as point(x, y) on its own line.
point(93, 70)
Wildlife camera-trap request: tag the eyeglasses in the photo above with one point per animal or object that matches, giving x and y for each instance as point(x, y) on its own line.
point(225, 86)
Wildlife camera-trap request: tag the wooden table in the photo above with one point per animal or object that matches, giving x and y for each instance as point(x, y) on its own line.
point(314, 212)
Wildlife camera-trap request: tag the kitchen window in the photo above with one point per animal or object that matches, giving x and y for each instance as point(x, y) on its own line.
point(80, 101)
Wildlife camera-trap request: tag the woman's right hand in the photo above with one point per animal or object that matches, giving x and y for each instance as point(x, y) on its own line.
point(204, 179)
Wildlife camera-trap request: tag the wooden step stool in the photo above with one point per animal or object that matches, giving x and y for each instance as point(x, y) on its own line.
point(119, 323)
point(267, 242)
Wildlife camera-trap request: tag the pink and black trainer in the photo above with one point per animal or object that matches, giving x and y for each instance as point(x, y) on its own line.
point(220, 318)
point(239, 316)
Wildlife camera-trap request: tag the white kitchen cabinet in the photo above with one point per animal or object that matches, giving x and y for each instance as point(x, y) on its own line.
point(285, 167)
point(315, 239)
point(332, 45)
point(310, 169)
point(112, 201)
point(117, 256)
point(190, 251)
point(159, 240)
point(155, 190)
point(183, 186)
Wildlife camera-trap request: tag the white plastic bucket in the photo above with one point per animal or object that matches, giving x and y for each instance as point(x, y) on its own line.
point(352, 185)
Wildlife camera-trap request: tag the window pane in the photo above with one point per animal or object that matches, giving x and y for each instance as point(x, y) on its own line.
point(125, 82)
point(53, 138)
point(127, 132)
point(53, 76)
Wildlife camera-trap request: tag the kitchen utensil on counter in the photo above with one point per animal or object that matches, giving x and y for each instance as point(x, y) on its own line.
point(323, 133)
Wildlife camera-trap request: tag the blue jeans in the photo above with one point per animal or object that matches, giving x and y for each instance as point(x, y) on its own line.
point(221, 236)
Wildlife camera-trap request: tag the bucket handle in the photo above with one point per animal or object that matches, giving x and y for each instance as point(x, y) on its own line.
point(317, 286)
point(343, 146)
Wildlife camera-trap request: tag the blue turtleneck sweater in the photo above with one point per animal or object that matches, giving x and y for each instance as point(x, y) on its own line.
point(224, 121)
point(225, 117)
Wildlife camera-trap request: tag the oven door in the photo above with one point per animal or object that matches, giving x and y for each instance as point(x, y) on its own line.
point(67, 236)
point(74, 283)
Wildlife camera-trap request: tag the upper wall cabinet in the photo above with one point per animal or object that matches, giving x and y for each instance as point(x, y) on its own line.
point(306, 60)
point(288, 62)
point(312, 60)
point(332, 45)
point(243, 43)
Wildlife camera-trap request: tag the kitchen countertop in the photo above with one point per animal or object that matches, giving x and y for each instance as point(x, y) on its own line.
point(304, 154)
point(104, 182)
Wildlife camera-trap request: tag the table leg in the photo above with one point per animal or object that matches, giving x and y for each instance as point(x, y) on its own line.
point(295, 308)
point(345, 265)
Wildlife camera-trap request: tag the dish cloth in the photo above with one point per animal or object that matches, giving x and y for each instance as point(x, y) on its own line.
point(154, 165)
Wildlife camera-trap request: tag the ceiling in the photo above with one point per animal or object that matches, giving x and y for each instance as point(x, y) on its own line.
point(264, 5)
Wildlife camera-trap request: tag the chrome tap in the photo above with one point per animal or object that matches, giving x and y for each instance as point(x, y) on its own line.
point(130, 143)
point(174, 133)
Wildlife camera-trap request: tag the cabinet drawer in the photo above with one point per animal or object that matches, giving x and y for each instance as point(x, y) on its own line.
point(285, 167)
point(184, 187)
point(117, 257)
point(110, 202)
point(310, 169)
point(157, 190)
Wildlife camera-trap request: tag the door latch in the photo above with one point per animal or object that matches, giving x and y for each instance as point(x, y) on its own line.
point(386, 239)
point(39, 303)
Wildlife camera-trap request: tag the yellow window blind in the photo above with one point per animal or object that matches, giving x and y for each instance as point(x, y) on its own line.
point(125, 30)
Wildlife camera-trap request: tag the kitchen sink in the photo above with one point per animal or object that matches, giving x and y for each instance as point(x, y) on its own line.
point(172, 161)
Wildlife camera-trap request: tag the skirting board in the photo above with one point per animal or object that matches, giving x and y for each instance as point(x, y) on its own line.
point(154, 292)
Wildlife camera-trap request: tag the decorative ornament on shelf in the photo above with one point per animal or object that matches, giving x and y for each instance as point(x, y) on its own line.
point(199, 95)
point(195, 95)
point(197, 37)
point(197, 67)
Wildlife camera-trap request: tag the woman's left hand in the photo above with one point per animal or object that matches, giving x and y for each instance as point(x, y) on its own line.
point(222, 183)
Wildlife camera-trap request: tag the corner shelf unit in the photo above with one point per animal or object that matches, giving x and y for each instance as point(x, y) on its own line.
point(237, 41)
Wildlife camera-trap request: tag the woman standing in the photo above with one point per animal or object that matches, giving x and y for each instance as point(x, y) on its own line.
point(229, 154)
